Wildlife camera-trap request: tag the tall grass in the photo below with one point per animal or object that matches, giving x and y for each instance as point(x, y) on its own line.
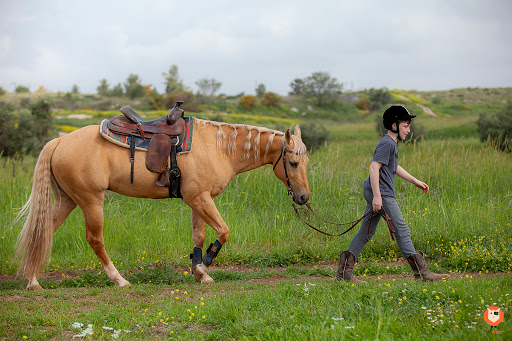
point(464, 223)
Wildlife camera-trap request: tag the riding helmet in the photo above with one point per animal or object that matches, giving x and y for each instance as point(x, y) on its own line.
point(394, 114)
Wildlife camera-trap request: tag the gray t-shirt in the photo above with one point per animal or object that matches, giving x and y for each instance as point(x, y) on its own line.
point(386, 153)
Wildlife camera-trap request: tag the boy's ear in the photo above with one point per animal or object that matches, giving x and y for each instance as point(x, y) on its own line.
point(395, 126)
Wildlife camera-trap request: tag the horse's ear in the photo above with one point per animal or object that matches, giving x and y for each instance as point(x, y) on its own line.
point(297, 131)
point(288, 136)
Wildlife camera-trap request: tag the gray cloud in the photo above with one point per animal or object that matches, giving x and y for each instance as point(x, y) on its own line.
point(406, 45)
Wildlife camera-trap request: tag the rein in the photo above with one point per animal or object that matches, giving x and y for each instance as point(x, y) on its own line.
point(354, 223)
point(382, 212)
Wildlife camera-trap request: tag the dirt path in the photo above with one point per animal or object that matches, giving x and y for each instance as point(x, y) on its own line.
point(427, 110)
point(279, 274)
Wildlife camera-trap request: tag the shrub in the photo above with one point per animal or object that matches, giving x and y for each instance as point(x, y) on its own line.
point(248, 101)
point(497, 128)
point(21, 89)
point(16, 133)
point(364, 103)
point(271, 99)
point(314, 135)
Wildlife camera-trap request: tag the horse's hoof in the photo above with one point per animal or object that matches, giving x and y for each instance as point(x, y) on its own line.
point(34, 287)
point(207, 279)
point(201, 275)
point(123, 283)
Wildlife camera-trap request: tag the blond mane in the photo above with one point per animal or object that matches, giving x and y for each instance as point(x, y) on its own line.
point(230, 147)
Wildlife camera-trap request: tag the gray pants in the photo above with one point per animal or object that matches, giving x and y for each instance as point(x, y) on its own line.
point(402, 233)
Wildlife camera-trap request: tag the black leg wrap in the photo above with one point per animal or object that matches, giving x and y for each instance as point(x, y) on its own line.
point(212, 252)
point(196, 256)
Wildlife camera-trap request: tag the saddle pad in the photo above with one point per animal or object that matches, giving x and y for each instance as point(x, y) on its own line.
point(140, 144)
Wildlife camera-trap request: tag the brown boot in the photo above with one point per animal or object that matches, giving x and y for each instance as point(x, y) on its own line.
point(345, 266)
point(419, 267)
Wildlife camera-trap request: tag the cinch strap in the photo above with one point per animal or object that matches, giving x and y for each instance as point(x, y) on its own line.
point(174, 171)
point(132, 156)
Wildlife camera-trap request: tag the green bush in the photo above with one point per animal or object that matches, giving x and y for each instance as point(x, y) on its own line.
point(271, 99)
point(364, 103)
point(248, 101)
point(21, 89)
point(314, 135)
point(497, 128)
point(24, 133)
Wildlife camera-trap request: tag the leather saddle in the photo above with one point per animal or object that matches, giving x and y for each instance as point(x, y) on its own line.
point(130, 123)
point(162, 136)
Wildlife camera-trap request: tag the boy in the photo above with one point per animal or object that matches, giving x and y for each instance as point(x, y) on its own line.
point(379, 193)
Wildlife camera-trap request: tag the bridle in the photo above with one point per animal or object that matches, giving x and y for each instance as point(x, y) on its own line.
point(283, 156)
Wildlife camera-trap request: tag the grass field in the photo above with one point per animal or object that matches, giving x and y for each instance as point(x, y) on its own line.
point(463, 225)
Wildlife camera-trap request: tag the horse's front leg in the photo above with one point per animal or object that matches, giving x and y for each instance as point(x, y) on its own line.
point(205, 212)
point(198, 235)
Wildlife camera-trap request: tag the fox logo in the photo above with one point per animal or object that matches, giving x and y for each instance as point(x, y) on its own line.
point(493, 316)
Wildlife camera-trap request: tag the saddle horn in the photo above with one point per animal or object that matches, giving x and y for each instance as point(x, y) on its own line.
point(176, 113)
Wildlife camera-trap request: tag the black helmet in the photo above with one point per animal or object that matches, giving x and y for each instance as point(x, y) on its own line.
point(394, 114)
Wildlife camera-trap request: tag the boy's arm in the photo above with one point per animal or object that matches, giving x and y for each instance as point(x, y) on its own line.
point(374, 181)
point(408, 177)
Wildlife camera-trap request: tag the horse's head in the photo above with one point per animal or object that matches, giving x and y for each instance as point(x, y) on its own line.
point(291, 166)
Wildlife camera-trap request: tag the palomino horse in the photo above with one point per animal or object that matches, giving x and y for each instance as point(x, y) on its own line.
point(80, 167)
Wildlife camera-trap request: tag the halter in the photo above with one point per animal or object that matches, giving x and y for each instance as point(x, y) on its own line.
point(283, 156)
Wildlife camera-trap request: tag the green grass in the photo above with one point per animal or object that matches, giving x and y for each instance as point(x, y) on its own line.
point(466, 218)
point(463, 224)
point(289, 309)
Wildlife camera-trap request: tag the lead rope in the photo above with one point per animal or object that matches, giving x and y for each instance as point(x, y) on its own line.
point(354, 223)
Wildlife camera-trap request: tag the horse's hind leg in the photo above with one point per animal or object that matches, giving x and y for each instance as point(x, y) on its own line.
point(62, 207)
point(93, 215)
point(198, 235)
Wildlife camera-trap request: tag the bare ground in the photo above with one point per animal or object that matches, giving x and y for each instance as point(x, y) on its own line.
point(276, 277)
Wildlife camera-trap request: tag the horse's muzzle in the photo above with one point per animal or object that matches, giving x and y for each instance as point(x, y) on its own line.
point(300, 199)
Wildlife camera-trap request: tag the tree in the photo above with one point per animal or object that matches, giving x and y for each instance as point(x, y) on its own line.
point(271, 99)
point(208, 87)
point(173, 83)
point(74, 89)
point(102, 89)
point(322, 86)
point(21, 89)
point(41, 90)
point(297, 86)
point(133, 88)
point(260, 90)
point(2, 91)
point(117, 91)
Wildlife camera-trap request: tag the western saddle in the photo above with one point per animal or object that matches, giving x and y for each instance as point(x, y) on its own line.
point(161, 137)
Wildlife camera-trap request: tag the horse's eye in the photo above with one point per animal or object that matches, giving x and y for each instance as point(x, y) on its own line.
point(294, 164)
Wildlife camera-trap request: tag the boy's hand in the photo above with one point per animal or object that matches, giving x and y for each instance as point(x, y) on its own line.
point(377, 204)
point(423, 186)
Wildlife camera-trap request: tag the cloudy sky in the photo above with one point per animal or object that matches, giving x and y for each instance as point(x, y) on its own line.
point(422, 45)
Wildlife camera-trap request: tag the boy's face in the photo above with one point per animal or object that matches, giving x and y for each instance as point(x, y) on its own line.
point(404, 128)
